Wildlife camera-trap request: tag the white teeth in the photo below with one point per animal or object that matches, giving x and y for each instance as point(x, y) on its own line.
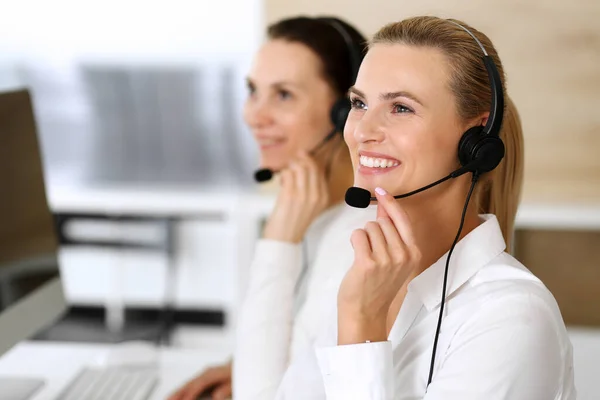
point(372, 162)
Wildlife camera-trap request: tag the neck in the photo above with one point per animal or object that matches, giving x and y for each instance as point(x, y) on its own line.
point(435, 216)
point(436, 219)
point(337, 164)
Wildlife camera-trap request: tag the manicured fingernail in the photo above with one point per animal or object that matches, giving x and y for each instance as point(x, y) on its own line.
point(380, 191)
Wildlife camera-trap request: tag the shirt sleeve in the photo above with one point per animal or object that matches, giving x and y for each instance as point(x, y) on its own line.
point(263, 332)
point(508, 350)
point(357, 371)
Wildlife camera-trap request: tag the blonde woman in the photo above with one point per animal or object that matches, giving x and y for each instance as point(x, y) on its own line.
point(421, 86)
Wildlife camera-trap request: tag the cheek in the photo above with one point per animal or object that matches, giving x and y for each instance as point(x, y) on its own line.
point(431, 150)
point(313, 123)
point(299, 130)
point(349, 137)
point(318, 116)
point(247, 113)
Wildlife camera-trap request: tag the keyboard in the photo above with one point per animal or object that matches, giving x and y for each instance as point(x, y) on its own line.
point(112, 383)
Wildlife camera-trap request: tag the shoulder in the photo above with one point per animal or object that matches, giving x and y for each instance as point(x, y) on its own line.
point(516, 322)
point(511, 299)
point(504, 279)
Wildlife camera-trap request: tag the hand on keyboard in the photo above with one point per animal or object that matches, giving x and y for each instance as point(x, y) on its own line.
point(213, 384)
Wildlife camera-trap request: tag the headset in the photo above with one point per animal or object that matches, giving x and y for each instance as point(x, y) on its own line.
point(481, 147)
point(480, 150)
point(341, 108)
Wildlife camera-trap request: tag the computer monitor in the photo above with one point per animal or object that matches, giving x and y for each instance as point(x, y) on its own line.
point(31, 293)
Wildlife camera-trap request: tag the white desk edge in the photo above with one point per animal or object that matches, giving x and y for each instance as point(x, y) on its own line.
point(248, 206)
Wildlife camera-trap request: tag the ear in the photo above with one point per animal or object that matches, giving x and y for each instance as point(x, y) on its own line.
point(484, 118)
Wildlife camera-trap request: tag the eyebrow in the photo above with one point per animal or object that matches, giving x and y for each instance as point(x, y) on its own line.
point(276, 84)
point(388, 95)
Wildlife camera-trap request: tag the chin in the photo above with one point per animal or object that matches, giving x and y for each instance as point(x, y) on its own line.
point(272, 163)
point(371, 182)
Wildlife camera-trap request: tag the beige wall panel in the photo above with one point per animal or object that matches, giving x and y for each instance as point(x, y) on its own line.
point(567, 262)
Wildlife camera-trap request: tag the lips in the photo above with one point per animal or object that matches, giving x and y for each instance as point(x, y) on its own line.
point(267, 142)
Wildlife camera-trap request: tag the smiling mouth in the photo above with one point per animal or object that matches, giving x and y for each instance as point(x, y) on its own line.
point(370, 164)
point(270, 142)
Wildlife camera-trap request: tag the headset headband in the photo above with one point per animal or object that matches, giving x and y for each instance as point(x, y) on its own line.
point(494, 122)
point(355, 58)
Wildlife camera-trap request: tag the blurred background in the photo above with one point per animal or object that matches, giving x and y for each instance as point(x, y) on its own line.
point(138, 106)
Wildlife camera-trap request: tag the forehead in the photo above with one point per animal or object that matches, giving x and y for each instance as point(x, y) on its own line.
point(400, 67)
point(281, 60)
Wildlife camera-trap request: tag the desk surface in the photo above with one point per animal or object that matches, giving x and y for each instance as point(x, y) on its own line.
point(58, 363)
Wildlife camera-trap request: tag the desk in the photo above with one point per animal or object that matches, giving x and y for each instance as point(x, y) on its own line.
point(58, 363)
point(216, 231)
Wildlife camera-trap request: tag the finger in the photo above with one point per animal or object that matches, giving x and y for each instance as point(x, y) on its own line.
point(381, 211)
point(177, 395)
point(397, 215)
point(197, 388)
point(308, 167)
point(287, 183)
point(320, 180)
point(300, 178)
point(377, 241)
point(360, 244)
point(182, 393)
point(222, 392)
point(191, 393)
point(315, 181)
point(392, 237)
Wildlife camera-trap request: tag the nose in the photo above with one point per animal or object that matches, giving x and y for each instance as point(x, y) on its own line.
point(258, 113)
point(368, 129)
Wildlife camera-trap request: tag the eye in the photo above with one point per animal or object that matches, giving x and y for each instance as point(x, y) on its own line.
point(251, 89)
point(357, 104)
point(401, 109)
point(284, 94)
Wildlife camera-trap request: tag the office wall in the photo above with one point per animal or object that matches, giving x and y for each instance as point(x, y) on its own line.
point(135, 91)
point(551, 53)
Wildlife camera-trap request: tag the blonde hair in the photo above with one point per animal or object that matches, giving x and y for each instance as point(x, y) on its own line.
point(499, 191)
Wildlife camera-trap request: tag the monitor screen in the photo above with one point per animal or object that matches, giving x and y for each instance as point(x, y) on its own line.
point(28, 235)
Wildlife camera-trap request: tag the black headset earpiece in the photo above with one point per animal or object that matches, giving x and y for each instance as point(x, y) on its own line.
point(339, 114)
point(481, 152)
point(481, 147)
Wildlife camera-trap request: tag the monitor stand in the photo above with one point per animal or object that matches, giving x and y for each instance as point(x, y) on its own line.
point(15, 388)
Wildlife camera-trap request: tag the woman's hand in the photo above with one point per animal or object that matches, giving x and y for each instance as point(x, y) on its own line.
point(385, 254)
point(216, 381)
point(303, 196)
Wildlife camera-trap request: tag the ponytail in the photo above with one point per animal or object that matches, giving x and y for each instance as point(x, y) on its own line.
point(500, 192)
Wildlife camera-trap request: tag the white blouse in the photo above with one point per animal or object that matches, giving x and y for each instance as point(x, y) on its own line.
point(502, 337)
point(282, 312)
